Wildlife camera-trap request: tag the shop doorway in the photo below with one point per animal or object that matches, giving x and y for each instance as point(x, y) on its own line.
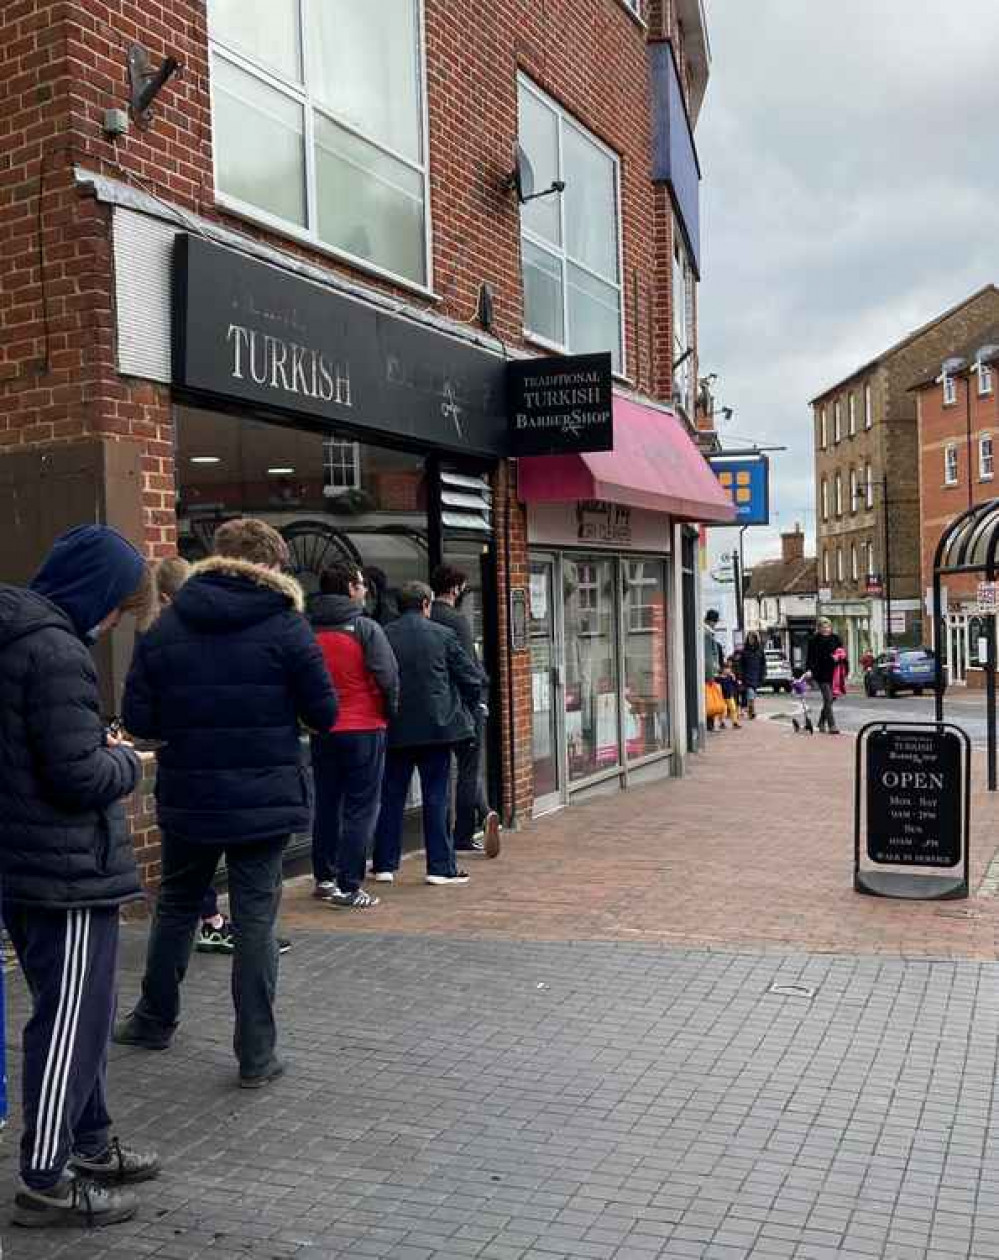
point(545, 686)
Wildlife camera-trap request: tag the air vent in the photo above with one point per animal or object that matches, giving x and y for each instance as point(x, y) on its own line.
point(466, 503)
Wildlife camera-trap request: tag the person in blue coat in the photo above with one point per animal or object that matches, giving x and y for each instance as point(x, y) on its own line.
point(67, 865)
point(223, 682)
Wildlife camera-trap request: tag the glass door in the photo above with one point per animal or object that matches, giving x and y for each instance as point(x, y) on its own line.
point(545, 687)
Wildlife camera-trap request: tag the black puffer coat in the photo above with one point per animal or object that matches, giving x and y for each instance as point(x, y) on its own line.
point(64, 841)
point(223, 678)
point(440, 686)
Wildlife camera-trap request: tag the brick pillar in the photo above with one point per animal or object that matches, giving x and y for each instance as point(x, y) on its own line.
point(514, 668)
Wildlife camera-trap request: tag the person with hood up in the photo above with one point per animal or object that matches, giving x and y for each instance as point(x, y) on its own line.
point(66, 864)
point(752, 669)
point(348, 761)
point(222, 681)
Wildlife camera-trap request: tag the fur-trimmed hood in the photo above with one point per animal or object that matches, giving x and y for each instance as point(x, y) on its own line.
point(224, 594)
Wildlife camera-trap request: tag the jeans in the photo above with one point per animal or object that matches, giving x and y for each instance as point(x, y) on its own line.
point(434, 766)
point(347, 768)
point(254, 897)
point(827, 717)
point(470, 802)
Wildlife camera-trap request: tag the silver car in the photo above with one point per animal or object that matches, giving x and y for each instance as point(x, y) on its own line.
point(779, 673)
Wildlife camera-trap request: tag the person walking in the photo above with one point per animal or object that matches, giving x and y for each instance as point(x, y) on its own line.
point(67, 864)
point(223, 679)
point(712, 657)
point(439, 686)
point(752, 670)
point(349, 760)
point(471, 805)
point(821, 665)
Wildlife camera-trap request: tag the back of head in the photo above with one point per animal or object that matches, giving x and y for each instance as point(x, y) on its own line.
point(413, 596)
point(251, 540)
point(446, 578)
point(92, 570)
point(711, 616)
point(170, 575)
point(339, 576)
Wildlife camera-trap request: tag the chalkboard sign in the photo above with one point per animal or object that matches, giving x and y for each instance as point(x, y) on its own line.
point(914, 791)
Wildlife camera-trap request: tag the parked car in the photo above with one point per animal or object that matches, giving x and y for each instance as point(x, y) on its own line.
point(780, 676)
point(901, 669)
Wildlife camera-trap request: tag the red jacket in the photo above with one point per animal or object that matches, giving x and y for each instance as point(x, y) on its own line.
point(360, 663)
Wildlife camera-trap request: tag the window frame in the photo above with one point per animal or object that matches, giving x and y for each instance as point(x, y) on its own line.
point(984, 475)
point(838, 493)
point(559, 252)
point(824, 493)
point(854, 564)
point(854, 490)
point(870, 559)
point(839, 564)
point(825, 565)
point(949, 390)
point(302, 95)
point(951, 477)
point(985, 379)
point(823, 430)
point(330, 442)
point(851, 413)
point(837, 423)
point(868, 406)
point(868, 486)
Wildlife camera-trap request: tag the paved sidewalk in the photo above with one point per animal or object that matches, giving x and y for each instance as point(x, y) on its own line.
point(753, 848)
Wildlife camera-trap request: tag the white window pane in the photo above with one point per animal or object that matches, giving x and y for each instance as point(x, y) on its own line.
point(265, 30)
point(253, 120)
point(542, 293)
point(539, 140)
point(590, 204)
point(594, 315)
point(368, 203)
point(364, 64)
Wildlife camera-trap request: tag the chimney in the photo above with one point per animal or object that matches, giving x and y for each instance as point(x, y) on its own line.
point(792, 545)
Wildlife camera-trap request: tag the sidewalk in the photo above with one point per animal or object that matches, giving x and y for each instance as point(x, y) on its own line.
point(753, 848)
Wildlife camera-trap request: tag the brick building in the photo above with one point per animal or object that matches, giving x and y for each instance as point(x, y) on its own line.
point(867, 485)
point(958, 418)
point(292, 286)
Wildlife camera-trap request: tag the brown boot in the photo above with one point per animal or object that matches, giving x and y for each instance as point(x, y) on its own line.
point(752, 709)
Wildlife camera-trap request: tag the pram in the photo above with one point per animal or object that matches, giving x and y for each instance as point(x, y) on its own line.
point(803, 722)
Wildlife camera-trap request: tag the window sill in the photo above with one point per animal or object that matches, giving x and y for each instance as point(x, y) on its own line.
point(535, 339)
point(951, 485)
point(986, 477)
point(260, 218)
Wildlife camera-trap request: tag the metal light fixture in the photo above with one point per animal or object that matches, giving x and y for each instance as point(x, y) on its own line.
point(146, 81)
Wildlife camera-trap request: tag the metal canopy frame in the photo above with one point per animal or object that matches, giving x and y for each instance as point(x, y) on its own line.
point(969, 544)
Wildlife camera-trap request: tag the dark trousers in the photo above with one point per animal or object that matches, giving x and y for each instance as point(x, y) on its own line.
point(69, 960)
point(827, 717)
point(347, 768)
point(470, 802)
point(433, 764)
point(254, 872)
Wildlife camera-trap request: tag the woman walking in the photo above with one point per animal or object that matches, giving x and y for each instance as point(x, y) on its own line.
point(752, 670)
point(821, 666)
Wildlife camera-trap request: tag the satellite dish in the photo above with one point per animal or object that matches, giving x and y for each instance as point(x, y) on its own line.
point(950, 366)
point(523, 180)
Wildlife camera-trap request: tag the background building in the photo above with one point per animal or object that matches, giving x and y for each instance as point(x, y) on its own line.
point(782, 598)
point(867, 484)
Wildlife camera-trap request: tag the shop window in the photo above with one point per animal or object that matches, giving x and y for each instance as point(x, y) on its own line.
point(950, 465)
point(318, 124)
point(591, 666)
point(985, 457)
point(645, 693)
point(570, 241)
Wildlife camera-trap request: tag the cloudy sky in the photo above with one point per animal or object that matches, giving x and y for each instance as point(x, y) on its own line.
point(850, 154)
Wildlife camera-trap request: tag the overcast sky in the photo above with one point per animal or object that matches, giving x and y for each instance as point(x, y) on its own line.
point(850, 154)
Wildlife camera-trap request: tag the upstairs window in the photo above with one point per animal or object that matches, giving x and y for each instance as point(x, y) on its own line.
point(839, 564)
point(825, 499)
point(854, 490)
point(839, 494)
point(870, 559)
point(823, 434)
point(570, 241)
point(949, 390)
point(985, 457)
point(868, 408)
point(852, 413)
point(950, 465)
point(868, 486)
point(318, 123)
point(825, 566)
point(984, 379)
point(837, 422)
point(854, 563)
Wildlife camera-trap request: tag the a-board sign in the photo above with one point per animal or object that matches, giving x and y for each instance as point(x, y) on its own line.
point(914, 787)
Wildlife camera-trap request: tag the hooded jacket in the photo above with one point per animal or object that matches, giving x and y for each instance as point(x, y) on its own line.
point(439, 684)
point(64, 841)
point(223, 679)
point(360, 663)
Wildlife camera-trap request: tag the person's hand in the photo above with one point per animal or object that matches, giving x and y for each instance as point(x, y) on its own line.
point(117, 741)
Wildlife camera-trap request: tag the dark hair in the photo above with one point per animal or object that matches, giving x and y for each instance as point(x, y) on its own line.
point(339, 576)
point(377, 579)
point(413, 595)
point(445, 578)
point(711, 614)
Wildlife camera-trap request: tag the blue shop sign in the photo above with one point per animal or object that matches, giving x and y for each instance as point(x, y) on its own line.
point(747, 480)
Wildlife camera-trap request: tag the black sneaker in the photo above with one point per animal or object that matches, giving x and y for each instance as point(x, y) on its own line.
point(270, 1073)
point(73, 1201)
point(116, 1165)
point(359, 900)
point(215, 940)
point(439, 881)
point(135, 1031)
point(475, 845)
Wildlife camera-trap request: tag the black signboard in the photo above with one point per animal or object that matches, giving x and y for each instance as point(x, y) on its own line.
point(248, 330)
point(914, 794)
point(560, 406)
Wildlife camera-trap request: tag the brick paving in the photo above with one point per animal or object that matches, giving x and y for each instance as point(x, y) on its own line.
point(626, 1085)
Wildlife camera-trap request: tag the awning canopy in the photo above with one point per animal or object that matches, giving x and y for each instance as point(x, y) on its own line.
point(654, 464)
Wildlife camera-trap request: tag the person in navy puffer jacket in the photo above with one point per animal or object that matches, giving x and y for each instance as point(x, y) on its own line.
point(223, 681)
point(67, 864)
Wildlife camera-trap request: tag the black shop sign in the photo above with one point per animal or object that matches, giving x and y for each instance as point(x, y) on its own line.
point(247, 330)
point(914, 797)
point(560, 406)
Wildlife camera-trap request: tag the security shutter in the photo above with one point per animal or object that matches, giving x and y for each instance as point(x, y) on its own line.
point(143, 249)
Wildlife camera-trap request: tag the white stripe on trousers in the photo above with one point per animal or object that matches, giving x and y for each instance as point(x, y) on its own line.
point(52, 1098)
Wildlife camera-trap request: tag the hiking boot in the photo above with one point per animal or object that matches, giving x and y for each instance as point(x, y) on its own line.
point(133, 1030)
point(491, 834)
point(73, 1201)
point(116, 1165)
point(271, 1073)
point(359, 900)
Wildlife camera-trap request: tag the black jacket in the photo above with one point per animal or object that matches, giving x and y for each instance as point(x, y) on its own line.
point(439, 684)
point(820, 663)
point(339, 612)
point(64, 840)
point(753, 667)
point(447, 615)
point(223, 679)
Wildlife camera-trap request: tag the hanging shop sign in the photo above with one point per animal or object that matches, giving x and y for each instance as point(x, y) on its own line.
point(560, 406)
point(247, 330)
point(747, 479)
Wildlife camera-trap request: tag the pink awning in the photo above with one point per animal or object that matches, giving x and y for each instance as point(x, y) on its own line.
point(655, 464)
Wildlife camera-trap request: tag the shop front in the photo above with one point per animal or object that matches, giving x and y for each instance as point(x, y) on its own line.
point(613, 672)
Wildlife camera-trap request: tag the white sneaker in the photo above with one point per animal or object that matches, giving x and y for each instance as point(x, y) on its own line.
point(439, 881)
point(384, 877)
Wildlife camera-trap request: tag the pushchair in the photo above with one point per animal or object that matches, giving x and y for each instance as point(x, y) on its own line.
point(803, 721)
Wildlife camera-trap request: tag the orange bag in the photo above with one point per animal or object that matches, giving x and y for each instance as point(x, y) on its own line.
point(714, 701)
